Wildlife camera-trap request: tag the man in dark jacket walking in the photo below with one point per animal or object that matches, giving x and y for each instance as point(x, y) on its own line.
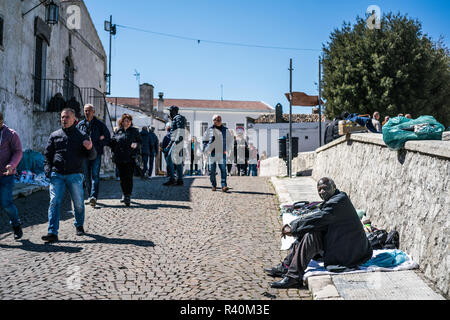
point(334, 232)
point(67, 149)
point(149, 150)
point(175, 147)
point(218, 146)
point(154, 146)
point(100, 136)
point(145, 149)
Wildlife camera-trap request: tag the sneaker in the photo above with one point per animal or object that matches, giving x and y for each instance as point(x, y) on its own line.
point(93, 202)
point(225, 189)
point(169, 183)
point(213, 188)
point(80, 231)
point(180, 183)
point(50, 238)
point(18, 233)
point(123, 199)
point(88, 201)
point(127, 200)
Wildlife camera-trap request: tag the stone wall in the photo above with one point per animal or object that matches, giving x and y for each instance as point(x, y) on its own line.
point(403, 190)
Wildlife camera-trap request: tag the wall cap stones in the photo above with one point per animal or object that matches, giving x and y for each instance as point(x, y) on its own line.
point(431, 147)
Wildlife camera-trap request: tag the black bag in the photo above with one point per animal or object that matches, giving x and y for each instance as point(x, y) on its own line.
point(392, 240)
point(377, 239)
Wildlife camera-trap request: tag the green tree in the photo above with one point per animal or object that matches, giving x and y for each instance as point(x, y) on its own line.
point(394, 69)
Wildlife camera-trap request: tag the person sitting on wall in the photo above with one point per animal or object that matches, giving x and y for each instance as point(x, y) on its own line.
point(334, 232)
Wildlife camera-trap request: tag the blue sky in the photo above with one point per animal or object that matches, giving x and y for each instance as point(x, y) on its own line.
point(185, 69)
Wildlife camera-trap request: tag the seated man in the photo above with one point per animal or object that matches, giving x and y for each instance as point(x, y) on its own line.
point(335, 232)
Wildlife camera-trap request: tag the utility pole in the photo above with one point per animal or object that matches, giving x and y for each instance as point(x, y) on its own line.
point(111, 28)
point(290, 120)
point(320, 103)
point(221, 90)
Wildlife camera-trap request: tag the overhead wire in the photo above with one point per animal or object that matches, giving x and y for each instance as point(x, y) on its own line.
point(214, 41)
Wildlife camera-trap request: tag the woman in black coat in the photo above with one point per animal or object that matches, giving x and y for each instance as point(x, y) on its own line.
point(125, 145)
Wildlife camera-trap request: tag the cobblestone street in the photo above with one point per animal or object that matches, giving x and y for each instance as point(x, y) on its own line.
point(172, 243)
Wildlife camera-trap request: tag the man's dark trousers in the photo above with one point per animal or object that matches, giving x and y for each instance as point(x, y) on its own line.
point(301, 253)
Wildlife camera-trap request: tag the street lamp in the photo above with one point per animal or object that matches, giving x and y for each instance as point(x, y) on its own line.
point(51, 11)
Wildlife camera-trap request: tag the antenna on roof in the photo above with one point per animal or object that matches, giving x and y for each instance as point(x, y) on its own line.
point(138, 76)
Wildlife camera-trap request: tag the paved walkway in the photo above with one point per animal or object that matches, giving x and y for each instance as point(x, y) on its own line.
point(400, 285)
point(172, 243)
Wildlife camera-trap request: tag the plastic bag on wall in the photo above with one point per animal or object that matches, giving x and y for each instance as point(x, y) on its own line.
point(398, 130)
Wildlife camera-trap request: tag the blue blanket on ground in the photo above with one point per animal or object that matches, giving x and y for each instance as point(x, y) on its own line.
point(382, 260)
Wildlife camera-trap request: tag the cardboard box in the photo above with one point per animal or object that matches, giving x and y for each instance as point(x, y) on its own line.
point(346, 126)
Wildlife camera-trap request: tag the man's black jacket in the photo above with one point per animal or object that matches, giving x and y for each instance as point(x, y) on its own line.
point(65, 152)
point(95, 129)
point(345, 242)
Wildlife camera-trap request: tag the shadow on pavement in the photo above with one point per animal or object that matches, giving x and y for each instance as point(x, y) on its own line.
point(138, 205)
point(254, 193)
point(153, 189)
point(104, 240)
point(33, 210)
point(27, 245)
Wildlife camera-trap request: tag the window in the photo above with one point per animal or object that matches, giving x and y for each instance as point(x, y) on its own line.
point(306, 137)
point(188, 127)
point(69, 72)
point(1, 32)
point(40, 65)
point(204, 127)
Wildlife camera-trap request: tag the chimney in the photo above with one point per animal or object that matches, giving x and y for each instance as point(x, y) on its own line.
point(146, 97)
point(161, 102)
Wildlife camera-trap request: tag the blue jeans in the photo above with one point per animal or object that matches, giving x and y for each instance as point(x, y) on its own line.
point(223, 173)
point(92, 176)
point(58, 184)
point(6, 200)
point(253, 170)
point(171, 167)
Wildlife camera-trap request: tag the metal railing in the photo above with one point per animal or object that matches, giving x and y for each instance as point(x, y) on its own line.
point(98, 100)
point(53, 95)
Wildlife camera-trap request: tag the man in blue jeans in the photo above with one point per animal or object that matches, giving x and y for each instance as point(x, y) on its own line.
point(218, 139)
point(10, 156)
point(100, 136)
point(66, 150)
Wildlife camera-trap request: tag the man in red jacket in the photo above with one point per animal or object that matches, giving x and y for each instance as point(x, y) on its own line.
point(10, 156)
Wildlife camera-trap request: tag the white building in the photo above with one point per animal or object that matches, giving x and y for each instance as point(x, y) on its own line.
point(265, 132)
point(149, 111)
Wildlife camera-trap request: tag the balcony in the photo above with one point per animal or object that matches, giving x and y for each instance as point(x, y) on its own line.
point(56, 94)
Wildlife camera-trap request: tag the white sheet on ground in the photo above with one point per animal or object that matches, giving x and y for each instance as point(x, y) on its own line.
point(288, 241)
point(316, 268)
